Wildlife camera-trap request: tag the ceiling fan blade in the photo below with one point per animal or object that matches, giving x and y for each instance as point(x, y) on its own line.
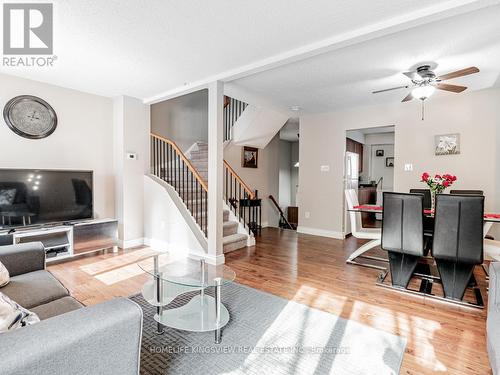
point(393, 88)
point(459, 73)
point(407, 98)
point(452, 88)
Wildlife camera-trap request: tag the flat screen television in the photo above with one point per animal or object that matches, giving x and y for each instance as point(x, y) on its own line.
point(35, 196)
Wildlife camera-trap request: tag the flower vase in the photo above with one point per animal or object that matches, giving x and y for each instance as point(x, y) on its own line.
point(433, 201)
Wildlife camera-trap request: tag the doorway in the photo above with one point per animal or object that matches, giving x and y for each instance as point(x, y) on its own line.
point(369, 169)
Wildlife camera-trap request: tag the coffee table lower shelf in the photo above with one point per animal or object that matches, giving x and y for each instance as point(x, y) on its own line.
point(203, 313)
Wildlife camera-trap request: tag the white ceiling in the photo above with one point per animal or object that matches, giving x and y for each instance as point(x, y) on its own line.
point(346, 77)
point(144, 48)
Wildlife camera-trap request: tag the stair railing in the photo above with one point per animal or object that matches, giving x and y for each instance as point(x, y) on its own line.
point(170, 164)
point(242, 200)
point(233, 109)
point(282, 215)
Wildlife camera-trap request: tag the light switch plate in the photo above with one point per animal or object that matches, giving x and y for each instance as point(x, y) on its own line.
point(325, 168)
point(307, 214)
point(408, 167)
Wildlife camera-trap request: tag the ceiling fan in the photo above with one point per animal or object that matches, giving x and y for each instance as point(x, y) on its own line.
point(424, 82)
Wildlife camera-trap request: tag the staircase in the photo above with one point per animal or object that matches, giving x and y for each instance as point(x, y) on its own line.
point(232, 239)
point(189, 178)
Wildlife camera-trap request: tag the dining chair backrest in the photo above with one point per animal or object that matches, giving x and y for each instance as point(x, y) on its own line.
point(466, 192)
point(402, 224)
point(458, 228)
point(427, 197)
point(351, 197)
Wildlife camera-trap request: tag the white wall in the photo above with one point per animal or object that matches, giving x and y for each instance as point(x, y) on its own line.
point(265, 178)
point(475, 115)
point(294, 176)
point(131, 135)
point(82, 140)
point(183, 119)
point(373, 166)
point(165, 229)
point(285, 175)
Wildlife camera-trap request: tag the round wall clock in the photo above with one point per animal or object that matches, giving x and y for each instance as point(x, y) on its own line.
point(30, 117)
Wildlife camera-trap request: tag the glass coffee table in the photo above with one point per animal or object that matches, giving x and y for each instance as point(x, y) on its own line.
point(172, 277)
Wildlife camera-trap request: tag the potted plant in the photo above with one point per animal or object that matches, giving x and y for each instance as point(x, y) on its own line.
point(437, 184)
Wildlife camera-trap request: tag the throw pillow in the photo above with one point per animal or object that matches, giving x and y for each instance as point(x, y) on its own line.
point(7, 197)
point(13, 316)
point(4, 275)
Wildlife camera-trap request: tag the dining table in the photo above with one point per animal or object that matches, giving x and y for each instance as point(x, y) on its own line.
point(489, 217)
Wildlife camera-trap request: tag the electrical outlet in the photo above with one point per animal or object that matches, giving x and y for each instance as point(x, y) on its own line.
point(325, 168)
point(307, 214)
point(408, 167)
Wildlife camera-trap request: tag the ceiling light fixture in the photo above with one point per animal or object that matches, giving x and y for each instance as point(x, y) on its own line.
point(295, 108)
point(422, 92)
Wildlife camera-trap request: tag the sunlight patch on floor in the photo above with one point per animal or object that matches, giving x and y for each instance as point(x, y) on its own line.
point(100, 266)
point(321, 299)
point(119, 274)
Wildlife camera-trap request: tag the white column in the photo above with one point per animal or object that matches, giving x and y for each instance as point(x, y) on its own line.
point(215, 166)
point(131, 135)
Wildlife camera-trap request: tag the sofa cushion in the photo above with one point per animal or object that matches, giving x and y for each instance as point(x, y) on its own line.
point(34, 289)
point(57, 307)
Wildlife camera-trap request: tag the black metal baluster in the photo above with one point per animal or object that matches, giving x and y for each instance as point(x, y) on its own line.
point(206, 221)
point(239, 201)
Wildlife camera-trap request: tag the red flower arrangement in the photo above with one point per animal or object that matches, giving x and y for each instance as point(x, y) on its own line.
point(438, 183)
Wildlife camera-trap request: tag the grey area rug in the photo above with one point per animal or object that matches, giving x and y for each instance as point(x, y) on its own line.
point(269, 335)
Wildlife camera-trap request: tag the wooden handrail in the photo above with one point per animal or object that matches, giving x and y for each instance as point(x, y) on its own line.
point(280, 211)
point(184, 158)
point(249, 191)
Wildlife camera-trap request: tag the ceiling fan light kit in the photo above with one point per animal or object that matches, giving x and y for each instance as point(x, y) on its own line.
point(423, 92)
point(425, 82)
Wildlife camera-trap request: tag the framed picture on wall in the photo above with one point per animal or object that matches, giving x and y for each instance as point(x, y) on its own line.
point(250, 156)
point(389, 162)
point(379, 153)
point(447, 144)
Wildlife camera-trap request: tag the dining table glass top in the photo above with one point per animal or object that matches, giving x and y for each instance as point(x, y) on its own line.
point(376, 209)
point(186, 271)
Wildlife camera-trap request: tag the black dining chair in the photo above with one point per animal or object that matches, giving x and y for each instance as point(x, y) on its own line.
point(487, 226)
point(427, 197)
point(428, 221)
point(466, 192)
point(458, 241)
point(403, 235)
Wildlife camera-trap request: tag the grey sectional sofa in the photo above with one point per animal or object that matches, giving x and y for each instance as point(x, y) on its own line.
point(71, 338)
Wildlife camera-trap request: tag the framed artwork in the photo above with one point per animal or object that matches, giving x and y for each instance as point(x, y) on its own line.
point(379, 153)
point(389, 162)
point(447, 144)
point(250, 157)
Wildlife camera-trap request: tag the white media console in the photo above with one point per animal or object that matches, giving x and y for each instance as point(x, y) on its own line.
point(66, 240)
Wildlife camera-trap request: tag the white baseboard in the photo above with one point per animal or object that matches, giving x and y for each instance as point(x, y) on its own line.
point(321, 232)
point(131, 243)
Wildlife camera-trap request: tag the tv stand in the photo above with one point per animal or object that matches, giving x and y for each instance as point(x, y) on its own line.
point(68, 239)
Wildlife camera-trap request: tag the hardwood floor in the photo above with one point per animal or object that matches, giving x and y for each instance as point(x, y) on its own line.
point(441, 338)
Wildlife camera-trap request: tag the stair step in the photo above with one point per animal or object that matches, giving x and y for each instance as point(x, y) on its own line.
point(229, 228)
point(234, 242)
point(225, 215)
